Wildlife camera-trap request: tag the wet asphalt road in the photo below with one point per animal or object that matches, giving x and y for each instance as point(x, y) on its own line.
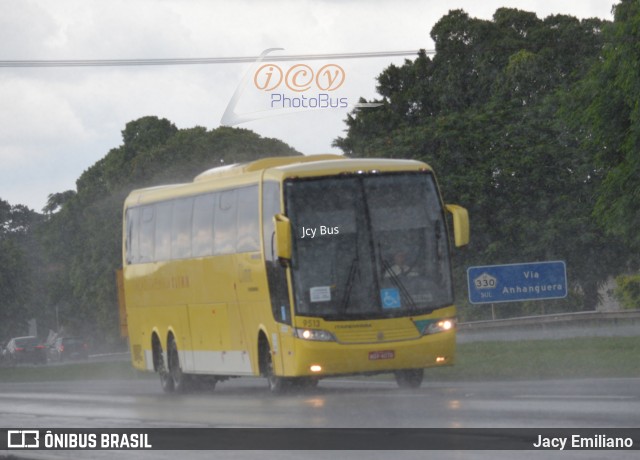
point(340, 403)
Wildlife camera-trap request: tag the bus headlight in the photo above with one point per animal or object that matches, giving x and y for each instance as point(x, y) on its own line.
point(441, 325)
point(314, 334)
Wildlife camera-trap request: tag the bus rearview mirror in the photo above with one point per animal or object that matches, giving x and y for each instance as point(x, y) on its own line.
point(283, 237)
point(460, 224)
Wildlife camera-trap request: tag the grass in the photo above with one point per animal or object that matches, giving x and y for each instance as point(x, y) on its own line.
point(115, 370)
point(524, 360)
point(545, 359)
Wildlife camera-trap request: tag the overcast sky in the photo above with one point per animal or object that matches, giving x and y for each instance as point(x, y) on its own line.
point(56, 122)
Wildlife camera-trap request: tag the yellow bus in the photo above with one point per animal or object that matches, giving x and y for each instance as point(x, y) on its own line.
point(291, 268)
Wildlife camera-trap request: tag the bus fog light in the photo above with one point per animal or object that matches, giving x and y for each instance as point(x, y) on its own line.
point(315, 368)
point(441, 359)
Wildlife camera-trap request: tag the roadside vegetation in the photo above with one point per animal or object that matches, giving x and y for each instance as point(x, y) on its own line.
point(114, 370)
point(544, 359)
point(59, 267)
point(532, 124)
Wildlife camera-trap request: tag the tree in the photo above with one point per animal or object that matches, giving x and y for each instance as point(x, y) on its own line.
point(83, 231)
point(485, 113)
point(13, 280)
point(611, 94)
point(20, 268)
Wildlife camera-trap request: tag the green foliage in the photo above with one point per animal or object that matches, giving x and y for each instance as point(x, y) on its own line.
point(628, 291)
point(21, 268)
point(490, 112)
point(83, 231)
point(13, 277)
point(610, 103)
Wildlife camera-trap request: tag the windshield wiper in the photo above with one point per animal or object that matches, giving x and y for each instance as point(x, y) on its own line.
point(353, 270)
point(399, 284)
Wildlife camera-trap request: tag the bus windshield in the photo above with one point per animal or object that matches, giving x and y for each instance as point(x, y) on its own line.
point(368, 246)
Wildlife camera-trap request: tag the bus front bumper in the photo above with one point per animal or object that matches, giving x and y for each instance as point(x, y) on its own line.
point(323, 359)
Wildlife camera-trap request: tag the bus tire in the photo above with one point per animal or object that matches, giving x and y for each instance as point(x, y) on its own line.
point(166, 382)
point(276, 384)
point(180, 380)
point(409, 378)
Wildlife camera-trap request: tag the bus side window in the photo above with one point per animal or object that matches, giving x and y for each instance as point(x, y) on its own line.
point(202, 230)
point(146, 236)
point(163, 231)
point(225, 223)
point(131, 243)
point(248, 233)
point(181, 228)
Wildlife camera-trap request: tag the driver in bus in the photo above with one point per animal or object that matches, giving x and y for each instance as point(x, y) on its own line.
point(400, 266)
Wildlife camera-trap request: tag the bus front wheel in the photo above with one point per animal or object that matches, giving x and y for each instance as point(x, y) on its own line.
point(276, 384)
point(409, 378)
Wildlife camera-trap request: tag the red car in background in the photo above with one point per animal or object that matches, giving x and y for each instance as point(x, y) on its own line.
point(25, 350)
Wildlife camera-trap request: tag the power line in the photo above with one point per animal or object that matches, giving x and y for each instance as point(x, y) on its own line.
point(199, 61)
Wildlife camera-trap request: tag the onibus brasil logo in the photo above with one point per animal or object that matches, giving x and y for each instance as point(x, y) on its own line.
point(290, 88)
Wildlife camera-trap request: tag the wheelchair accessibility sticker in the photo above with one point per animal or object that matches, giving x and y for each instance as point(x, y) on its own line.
point(390, 298)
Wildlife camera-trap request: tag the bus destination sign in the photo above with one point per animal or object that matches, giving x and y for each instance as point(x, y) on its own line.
point(517, 282)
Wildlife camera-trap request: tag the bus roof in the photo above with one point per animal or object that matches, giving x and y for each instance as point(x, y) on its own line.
point(310, 165)
point(263, 163)
point(277, 168)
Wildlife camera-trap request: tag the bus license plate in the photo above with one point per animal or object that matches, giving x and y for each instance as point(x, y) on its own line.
point(385, 354)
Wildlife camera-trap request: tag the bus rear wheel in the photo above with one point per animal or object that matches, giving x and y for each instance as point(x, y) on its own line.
point(180, 380)
point(166, 382)
point(409, 378)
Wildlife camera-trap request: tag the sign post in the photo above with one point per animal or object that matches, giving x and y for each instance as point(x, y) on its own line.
point(517, 282)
